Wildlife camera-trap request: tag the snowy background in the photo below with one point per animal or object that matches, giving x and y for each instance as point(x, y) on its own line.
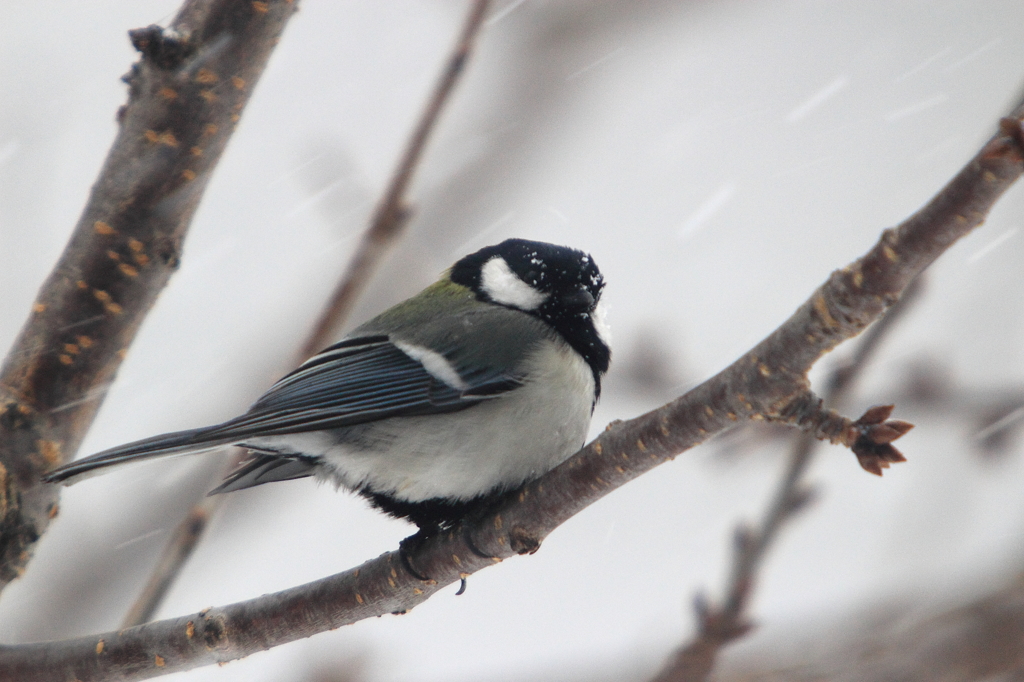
point(718, 159)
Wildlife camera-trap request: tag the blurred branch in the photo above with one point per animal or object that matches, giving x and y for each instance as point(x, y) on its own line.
point(977, 641)
point(385, 228)
point(184, 539)
point(719, 626)
point(392, 213)
point(768, 383)
point(186, 94)
point(994, 415)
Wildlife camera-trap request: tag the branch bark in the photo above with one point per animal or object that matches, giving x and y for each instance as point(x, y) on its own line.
point(767, 383)
point(385, 229)
point(186, 94)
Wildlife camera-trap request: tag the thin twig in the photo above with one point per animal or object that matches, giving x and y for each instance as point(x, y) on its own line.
point(186, 95)
point(767, 383)
point(383, 232)
point(719, 626)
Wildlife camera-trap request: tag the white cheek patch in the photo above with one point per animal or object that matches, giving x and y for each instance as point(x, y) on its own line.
point(600, 319)
point(503, 286)
point(435, 363)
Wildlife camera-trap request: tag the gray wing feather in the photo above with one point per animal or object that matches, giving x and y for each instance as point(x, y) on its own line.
point(352, 382)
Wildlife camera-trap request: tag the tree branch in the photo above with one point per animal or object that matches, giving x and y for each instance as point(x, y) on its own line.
point(186, 94)
point(718, 626)
point(768, 383)
point(385, 229)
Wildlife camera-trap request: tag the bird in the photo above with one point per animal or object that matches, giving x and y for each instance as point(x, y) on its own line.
point(436, 408)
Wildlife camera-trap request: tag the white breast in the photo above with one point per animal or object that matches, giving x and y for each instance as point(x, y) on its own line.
point(497, 444)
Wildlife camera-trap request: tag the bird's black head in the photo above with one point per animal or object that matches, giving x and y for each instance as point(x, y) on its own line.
point(559, 285)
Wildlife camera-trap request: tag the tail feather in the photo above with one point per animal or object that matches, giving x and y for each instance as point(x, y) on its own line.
point(263, 468)
point(166, 445)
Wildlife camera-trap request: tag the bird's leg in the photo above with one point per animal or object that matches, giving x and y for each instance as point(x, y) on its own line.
point(409, 546)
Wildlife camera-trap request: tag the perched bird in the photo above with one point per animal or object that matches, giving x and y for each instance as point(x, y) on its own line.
point(436, 407)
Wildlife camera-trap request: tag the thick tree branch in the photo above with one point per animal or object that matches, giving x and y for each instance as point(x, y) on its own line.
point(186, 94)
point(385, 228)
point(768, 383)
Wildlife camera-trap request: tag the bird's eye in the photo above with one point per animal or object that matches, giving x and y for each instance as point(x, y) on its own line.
point(580, 299)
